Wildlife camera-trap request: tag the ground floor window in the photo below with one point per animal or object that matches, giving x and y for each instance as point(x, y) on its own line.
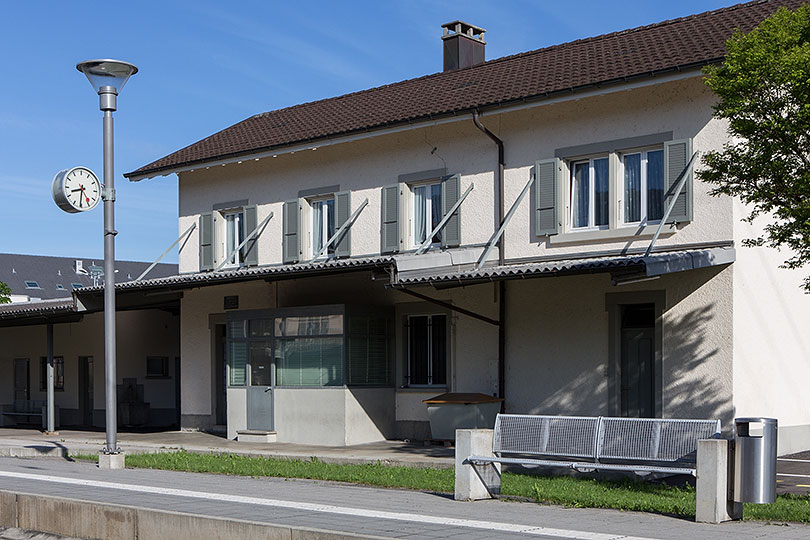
point(58, 373)
point(427, 350)
point(309, 350)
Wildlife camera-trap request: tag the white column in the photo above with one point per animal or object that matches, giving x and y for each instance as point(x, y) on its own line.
point(714, 480)
point(481, 481)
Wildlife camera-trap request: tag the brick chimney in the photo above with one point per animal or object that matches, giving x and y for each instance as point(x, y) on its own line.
point(463, 45)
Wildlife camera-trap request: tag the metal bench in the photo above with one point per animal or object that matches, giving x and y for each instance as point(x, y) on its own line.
point(27, 411)
point(585, 444)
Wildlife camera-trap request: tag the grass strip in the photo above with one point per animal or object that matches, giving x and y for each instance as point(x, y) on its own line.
point(640, 496)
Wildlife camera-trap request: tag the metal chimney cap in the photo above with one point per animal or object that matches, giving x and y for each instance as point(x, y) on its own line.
point(461, 28)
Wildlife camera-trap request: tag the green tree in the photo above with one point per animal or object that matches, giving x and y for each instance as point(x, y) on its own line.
point(5, 293)
point(764, 93)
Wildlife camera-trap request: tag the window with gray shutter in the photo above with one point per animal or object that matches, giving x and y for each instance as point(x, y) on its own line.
point(390, 219)
point(342, 213)
point(250, 253)
point(206, 241)
point(676, 155)
point(451, 191)
point(290, 242)
point(546, 212)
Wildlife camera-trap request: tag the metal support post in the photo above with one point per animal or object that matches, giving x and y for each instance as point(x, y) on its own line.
point(680, 182)
point(107, 100)
point(255, 232)
point(188, 231)
point(51, 422)
point(429, 238)
point(495, 237)
point(348, 223)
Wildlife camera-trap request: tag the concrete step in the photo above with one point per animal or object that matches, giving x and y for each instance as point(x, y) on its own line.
point(256, 436)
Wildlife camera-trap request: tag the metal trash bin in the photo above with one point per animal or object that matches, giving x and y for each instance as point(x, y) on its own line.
point(755, 461)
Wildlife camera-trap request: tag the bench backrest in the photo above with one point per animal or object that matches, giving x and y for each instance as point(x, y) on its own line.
point(644, 439)
point(28, 405)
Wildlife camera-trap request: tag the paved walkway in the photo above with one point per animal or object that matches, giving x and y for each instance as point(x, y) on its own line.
point(357, 509)
point(388, 452)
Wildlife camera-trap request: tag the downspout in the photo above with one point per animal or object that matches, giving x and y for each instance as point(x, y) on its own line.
point(501, 258)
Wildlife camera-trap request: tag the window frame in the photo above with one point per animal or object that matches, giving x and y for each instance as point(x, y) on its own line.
point(621, 182)
point(311, 203)
point(430, 348)
point(164, 372)
point(412, 231)
point(239, 257)
point(591, 226)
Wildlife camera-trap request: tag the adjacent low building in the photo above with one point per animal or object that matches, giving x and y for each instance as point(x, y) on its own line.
point(42, 302)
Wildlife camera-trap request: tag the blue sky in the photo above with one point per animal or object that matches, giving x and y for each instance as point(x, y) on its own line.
point(206, 65)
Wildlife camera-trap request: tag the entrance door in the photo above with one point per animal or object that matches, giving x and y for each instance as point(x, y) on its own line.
point(220, 375)
point(22, 390)
point(86, 390)
point(260, 390)
point(638, 361)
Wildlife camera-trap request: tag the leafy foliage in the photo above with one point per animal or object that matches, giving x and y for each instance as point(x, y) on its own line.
point(5, 293)
point(764, 91)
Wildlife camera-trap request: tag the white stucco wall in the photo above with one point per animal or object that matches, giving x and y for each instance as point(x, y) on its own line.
point(771, 338)
point(682, 107)
point(557, 344)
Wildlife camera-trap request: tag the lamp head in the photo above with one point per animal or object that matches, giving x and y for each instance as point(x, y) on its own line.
point(107, 73)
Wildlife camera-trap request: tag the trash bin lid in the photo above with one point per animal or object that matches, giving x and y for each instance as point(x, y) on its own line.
point(462, 398)
point(753, 419)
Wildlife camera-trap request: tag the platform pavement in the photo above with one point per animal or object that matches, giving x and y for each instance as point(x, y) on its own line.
point(388, 513)
point(31, 442)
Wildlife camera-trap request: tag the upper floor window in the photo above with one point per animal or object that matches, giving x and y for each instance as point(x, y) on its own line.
point(643, 186)
point(234, 236)
point(427, 212)
point(590, 193)
point(323, 225)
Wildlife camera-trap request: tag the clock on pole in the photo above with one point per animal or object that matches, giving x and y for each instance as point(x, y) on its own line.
point(76, 190)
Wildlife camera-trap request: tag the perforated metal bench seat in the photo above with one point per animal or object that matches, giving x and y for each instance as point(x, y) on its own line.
point(581, 466)
point(518, 438)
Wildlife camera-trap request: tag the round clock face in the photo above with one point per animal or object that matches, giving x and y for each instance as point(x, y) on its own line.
point(76, 190)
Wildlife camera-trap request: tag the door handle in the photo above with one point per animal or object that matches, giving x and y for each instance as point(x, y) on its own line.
point(267, 390)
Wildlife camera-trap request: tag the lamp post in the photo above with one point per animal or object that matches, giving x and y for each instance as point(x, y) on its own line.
point(108, 77)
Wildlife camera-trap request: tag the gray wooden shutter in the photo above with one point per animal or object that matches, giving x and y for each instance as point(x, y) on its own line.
point(676, 155)
point(206, 241)
point(389, 233)
point(250, 253)
point(291, 241)
point(546, 212)
point(451, 191)
point(342, 212)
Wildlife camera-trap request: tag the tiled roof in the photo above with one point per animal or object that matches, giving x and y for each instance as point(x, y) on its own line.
point(677, 44)
point(45, 307)
point(55, 276)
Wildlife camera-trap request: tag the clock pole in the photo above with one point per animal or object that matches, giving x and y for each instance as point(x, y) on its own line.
point(107, 103)
point(108, 78)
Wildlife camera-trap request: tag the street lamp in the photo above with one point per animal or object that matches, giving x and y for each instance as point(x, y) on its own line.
point(108, 77)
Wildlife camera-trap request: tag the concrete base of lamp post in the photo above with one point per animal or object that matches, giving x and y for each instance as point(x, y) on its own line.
point(110, 461)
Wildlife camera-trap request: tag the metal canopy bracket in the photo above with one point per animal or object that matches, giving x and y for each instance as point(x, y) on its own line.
point(346, 225)
point(449, 306)
point(494, 239)
point(681, 181)
point(255, 232)
point(151, 266)
point(429, 237)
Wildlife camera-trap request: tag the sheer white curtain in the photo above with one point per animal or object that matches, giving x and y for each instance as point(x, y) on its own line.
point(419, 209)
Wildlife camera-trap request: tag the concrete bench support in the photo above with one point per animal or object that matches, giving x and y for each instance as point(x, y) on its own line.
point(475, 482)
point(715, 503)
